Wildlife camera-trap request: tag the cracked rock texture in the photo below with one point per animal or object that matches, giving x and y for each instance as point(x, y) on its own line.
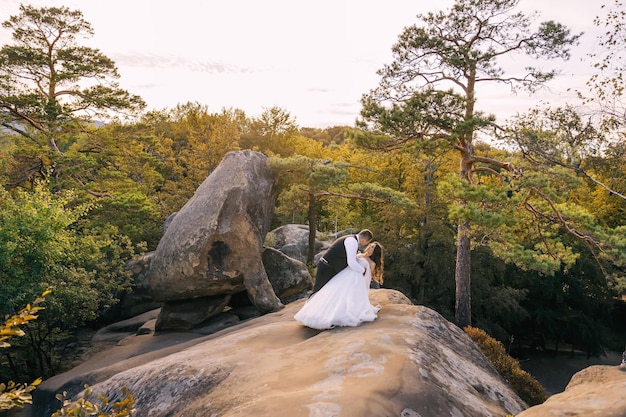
point(410, 362)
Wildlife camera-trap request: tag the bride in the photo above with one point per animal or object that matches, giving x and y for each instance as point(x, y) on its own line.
point(344, 300)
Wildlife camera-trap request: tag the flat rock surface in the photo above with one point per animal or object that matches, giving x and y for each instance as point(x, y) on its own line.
point(410, 362)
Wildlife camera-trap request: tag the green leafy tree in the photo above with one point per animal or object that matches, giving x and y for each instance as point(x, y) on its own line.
point(191, 144)
point(561, 137)
point(43, 244)
point(309, 181)
point(559, 143)
point(428, 94)
point(122, 167)
point(274, 132)
point(49, 84)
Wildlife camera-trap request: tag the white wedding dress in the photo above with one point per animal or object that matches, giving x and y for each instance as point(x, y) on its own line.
point(343, 301)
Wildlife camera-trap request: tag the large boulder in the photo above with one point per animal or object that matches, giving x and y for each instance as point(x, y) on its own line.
point(598, 390)
point(409, 362)
point(292, 240)
point(139, 299)
point(212, 247)
point(290, 277)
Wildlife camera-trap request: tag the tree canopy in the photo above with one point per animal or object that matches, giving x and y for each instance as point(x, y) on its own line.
point(542, 215)
point(49, 84)
point(429, 92)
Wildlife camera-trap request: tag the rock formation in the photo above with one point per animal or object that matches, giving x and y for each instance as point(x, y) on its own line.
point(140, 299)
point(289, 277)
point(595, 391)
point(409, 362)
point(212, 247)
point(292, 240)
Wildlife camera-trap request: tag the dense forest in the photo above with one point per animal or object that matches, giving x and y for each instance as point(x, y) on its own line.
point(517, 229)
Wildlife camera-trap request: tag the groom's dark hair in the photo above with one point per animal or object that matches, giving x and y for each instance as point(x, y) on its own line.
point(366, 233)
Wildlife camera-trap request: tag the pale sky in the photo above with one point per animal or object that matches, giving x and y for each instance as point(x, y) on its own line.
point(313, 59)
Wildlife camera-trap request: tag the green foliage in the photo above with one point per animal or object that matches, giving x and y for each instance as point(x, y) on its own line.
point(570, 308)
point(50, 86)
point(533, 221)
point(315, 186)
point(524, 385)
point(43, 244)
point(187, 144)
point(120, 167)
point(48, 78)
point(12, 394)
point(84, 406)
point(430, 102)
point(424, 120)
point(274, 132)
point(421, 266)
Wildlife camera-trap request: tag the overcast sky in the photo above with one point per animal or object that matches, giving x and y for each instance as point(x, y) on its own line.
point(313, 59)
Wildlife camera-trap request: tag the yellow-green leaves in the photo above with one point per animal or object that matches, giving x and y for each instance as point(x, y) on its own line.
point(13, 394)
point(85, 406)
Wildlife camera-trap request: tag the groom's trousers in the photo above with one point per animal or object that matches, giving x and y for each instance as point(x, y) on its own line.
point(324, 273)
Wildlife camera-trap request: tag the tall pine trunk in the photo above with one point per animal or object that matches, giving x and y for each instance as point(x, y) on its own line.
point(463, 305)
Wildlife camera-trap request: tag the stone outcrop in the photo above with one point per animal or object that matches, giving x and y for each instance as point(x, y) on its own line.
point(292, 240)
point(409, 362)
point(289, 277)
point(212, 247)
point(290, 280)
point(595, 391)
point(140, 299)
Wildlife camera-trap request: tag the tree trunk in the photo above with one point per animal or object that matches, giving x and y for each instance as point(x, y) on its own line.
point(463, 306)
point(463, 303)
point(312, 229)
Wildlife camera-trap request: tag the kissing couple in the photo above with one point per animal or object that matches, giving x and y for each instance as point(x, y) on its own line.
point(340, 295)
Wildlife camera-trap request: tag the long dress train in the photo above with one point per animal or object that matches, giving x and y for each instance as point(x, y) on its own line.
point(343, 301)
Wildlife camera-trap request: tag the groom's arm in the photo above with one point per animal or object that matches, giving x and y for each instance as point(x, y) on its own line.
point(352, 247)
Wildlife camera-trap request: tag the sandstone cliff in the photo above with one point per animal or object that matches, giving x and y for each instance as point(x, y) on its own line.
point(410, 362)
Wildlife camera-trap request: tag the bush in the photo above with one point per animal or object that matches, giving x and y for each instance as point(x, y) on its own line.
point(524, 385)
point(14, 395)
point(83, 407)
point(45, 242)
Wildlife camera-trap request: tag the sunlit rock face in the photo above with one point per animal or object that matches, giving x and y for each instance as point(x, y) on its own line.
point(409, 362)
point(211, 249)
point(595, 391)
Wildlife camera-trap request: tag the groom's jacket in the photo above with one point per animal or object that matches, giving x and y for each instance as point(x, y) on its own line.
point(336, 255)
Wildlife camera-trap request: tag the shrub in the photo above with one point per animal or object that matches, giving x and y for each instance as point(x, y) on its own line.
point(12, 394)
point(524, 385)
point(83, 407)
point(45, 242)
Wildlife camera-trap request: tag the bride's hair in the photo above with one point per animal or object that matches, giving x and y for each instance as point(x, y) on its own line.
point(379, 261)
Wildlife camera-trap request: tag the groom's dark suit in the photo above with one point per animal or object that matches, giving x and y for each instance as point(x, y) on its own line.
point(334, 260)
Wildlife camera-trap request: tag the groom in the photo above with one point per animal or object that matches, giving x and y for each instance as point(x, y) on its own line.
point(342, 253)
